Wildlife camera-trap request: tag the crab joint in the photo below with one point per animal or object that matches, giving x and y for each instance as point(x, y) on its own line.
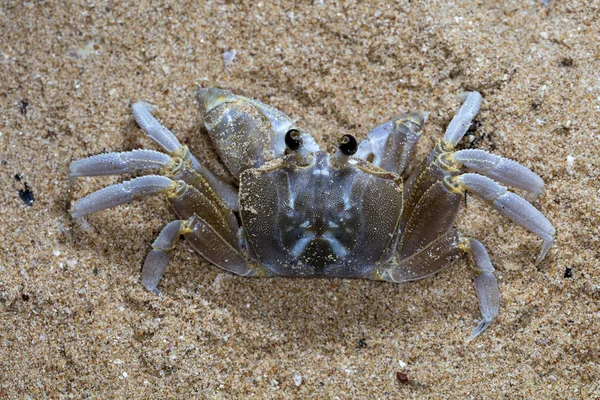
point(453, 185)
point(485, 188)
point(166, 239)
point(174, 165)
point(447, 162)
point(463, 245)
point(475, 249)
point(443, 146)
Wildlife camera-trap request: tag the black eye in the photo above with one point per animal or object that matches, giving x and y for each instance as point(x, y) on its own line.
point(348, 145)
point(293, 141)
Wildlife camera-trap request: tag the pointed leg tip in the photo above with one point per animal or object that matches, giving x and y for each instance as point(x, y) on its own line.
point(151, 285)
point(152, 289)
point(544, 252)
point(82, 222)
point(79, 214)
point(155, 265)
point(482, 326)
point(75, 213)
point(74, 170)
point(533, 196)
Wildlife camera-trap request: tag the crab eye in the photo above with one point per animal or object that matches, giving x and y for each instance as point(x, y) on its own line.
point(293, 140)
point(348, 145)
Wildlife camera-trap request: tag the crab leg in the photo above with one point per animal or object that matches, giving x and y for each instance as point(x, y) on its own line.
point(430, 218)
point(429, 260)
point(440, 254)
point(211, 228)
point(204, 239)
point(498, 168)
point(212, 246)
point(165, 138)
point(154, 129)
point(391, 144)
point(486, 285)
point(462, 120)
point(510, 205)
point(121, 193)
point(157, 260)
point(119, 163)
point(443, 163)
point(188, 201)
point(428, 174)
point(454, 132)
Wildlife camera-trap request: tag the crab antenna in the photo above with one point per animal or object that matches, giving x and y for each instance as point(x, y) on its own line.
point(347, 146)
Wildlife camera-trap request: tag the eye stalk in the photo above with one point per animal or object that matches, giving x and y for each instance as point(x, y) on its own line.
point(348, 145)
point(293, 139)
point(296, 145)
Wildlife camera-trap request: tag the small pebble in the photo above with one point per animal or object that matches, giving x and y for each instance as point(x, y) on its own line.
point(570, 164)
point(402, 377)
point(568, 272)
point(228, 57)
point(297, 379)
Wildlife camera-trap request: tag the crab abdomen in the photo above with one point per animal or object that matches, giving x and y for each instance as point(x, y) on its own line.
point(318, 220)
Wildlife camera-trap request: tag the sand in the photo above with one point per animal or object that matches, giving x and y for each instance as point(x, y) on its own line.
point(75, 322)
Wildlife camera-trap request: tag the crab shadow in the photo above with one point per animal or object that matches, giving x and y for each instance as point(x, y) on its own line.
point(318, 313)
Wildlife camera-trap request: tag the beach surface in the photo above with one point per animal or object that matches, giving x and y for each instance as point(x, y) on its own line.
point(75, 321)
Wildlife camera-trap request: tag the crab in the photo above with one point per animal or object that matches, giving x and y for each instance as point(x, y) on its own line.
point(294, 210)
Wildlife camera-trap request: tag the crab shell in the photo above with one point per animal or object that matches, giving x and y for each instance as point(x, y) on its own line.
point(319, 219)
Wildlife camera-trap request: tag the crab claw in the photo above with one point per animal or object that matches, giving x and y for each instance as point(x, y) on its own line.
point(245, 132)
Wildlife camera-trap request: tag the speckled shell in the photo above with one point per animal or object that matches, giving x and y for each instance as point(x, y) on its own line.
point(245, 132)
point(319, 220)
point(239, 130)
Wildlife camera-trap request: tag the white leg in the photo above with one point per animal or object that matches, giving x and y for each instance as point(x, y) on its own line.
point(440, 254)
point(157, 260)
point(510, 205)
point(121, 193)
point(154, 129)
point(205, 240)
point(119, 163)
point(486, 285)
point(165, 138)
point(463, 118)
point(500, 169)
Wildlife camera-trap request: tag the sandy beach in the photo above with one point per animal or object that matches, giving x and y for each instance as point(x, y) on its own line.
point(75, 321)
